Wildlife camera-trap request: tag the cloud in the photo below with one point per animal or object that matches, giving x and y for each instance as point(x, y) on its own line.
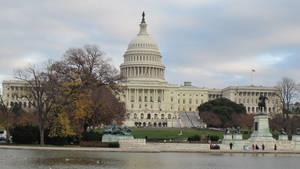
point(214, 43)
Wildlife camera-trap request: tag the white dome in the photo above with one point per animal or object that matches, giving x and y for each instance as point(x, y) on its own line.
point(143, 40)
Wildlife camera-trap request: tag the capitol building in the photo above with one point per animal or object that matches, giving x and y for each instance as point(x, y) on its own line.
point(151, 101)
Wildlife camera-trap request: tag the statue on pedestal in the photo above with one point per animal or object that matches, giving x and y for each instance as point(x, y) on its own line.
point(262, 103)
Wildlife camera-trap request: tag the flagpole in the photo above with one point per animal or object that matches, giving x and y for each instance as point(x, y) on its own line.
point(252, 72)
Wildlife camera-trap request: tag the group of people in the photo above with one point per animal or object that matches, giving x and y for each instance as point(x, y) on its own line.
point(254, 147)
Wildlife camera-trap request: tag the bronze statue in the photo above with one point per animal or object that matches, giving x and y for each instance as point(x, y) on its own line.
point(114, 129)
point(297, 131)
point(282, 132)
point(262, 103)
point(238, 130)
point(227, 130)
point(143, 19)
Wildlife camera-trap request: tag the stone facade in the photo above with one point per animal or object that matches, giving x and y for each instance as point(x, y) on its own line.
point(13, 91)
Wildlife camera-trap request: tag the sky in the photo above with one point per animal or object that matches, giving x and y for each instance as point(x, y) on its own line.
point(212, 43)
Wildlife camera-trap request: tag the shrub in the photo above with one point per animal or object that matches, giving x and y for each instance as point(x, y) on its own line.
point(91, 136)
point(25, 134)
point(114, 145)
point(194, 138)
point(214, 138)
point(60, 140)
point(98, 144)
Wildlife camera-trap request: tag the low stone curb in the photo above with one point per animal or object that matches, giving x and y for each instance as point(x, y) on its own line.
point(142, 150)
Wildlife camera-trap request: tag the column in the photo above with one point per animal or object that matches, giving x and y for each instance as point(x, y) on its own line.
point(136, 95)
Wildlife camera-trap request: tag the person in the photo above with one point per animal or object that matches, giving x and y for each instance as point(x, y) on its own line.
point(256, 147)
point(210, 146)
point(253, 147)
point(263, 147)
point(275, 147)
point(230, 145)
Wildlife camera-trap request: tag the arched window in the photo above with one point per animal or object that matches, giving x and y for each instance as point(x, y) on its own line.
point(142, 116)
point(162, 116)
point(135, 116)
point(148, 116)
point(169, 116)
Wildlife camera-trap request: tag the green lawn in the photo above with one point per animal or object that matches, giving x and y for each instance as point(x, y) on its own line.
point(172, 133)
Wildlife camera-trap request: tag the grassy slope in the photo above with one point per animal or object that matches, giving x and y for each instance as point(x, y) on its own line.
point(165, 133)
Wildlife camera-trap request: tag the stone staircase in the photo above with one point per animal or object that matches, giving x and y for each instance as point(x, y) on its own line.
point(191, 119)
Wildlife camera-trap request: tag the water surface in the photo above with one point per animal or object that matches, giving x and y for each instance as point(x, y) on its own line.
point(29, 159)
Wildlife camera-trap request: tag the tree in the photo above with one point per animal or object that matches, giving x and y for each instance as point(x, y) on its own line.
point(224, 109)
point(243, 120)
point(88, 89)
point(211, 119)
point(9, 115)
point(41, 92)
point(287, 95)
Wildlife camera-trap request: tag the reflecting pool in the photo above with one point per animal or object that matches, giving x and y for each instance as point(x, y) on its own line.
point(36, 159)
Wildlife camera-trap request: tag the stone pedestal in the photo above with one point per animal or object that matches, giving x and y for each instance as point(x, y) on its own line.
point(283, 137)
point(227, 139)
point(114, 138)
point(237, 137)
point(238, 140)
point(296, 141)
point(261, 131)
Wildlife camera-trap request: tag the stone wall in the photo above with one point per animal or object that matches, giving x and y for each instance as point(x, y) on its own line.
point(131, 143)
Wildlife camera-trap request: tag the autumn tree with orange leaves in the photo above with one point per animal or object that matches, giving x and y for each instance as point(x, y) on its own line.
point(87, 96)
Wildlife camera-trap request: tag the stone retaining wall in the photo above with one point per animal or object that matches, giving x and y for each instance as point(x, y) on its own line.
point(131, 143)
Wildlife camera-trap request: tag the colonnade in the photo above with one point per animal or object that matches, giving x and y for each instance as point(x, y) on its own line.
point(142, 95)
point(140, 71)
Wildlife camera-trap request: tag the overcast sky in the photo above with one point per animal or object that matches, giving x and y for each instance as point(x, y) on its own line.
point(213, 43)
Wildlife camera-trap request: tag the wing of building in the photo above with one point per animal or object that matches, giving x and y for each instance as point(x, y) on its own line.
point(151, 101)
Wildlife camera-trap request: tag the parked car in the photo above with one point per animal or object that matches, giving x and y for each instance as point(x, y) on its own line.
point(2, 135)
